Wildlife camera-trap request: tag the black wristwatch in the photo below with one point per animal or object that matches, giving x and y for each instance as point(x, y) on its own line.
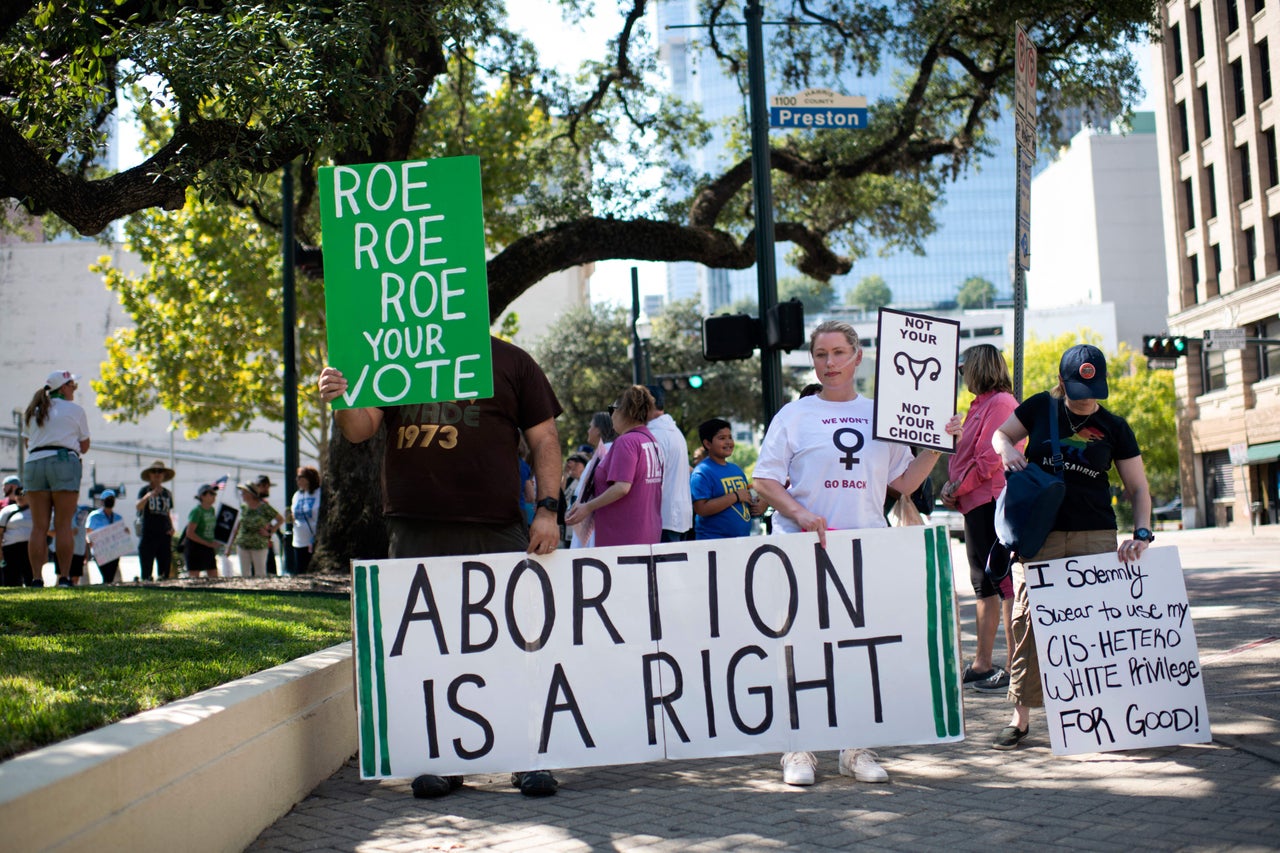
point(1142, 534)
point(552, 504)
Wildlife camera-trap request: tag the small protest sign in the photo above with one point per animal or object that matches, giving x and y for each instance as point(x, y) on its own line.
point(1117, 652)
point(111, 542)
point(406, 289)
point(916, 358)
point(628, 654)
point(224, 523)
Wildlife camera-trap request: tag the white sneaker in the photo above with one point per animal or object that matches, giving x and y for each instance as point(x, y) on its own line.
point(797, 768)
point(862, 765)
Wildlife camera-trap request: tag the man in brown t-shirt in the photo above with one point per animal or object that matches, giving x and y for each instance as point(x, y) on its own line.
point(451, 481)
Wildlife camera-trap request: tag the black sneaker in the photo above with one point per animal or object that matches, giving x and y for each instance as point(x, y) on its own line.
point(64, 581)
point(428, 786)
point(998, 682)
point(1010, 737)
point(970, 676)
point(535, 783)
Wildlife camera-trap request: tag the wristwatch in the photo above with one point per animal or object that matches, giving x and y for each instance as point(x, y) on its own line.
point(552, 504)
point(1142, 534)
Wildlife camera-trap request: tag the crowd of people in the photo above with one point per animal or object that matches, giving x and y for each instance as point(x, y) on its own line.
point(43, 505)
point(631, 483)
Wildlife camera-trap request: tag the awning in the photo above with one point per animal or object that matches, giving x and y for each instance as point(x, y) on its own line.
point(1268, 452)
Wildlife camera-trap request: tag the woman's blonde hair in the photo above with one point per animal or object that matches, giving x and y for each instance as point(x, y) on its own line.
point(838, 326)
point(985, 370)
point(635, 404)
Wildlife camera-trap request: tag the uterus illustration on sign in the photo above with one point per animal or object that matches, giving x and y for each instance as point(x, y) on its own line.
point(903, 362)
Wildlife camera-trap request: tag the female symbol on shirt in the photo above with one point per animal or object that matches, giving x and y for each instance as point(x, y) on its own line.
point(848, 459)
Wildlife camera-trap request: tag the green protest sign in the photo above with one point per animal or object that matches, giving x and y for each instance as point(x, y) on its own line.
point(406, 294)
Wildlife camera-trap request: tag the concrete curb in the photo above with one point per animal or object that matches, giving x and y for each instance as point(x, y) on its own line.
point(209, 772)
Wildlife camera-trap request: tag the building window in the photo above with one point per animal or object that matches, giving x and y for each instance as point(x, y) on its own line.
point(1211, 188)
point(1272, 166)
point(1197, 34)
point(1264, 68)
point(1215, 371)
point(1193, 263)
point(1233, 16)
point(1250, 252)
point(1275, 232)
point(1190, 197)
point(1217, 260)
point(1175, 38)
point(1269, 355)
point(1184, 131)
point(1246, 172)
point(1204, 112)
point(1237, 86)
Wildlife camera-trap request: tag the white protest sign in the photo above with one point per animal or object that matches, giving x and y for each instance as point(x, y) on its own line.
point(616, 655)
point(1117, 651)
point(111, 542)
point(916, 358)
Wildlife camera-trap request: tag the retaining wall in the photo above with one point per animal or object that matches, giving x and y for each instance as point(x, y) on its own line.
point(207, 773)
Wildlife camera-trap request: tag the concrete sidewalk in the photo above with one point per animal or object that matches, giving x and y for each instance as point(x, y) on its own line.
point(965, 796)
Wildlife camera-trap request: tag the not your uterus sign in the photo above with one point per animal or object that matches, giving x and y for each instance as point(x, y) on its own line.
point(617, 655)
point(406, 292)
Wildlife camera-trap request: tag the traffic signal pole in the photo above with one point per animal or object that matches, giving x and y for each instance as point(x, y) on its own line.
point(762, 186)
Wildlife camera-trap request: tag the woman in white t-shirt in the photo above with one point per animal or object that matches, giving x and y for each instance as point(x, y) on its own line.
point(820, 468)
point(57, 433)
point(304, 514)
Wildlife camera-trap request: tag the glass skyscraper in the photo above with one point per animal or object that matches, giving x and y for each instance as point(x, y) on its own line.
point(975, 220)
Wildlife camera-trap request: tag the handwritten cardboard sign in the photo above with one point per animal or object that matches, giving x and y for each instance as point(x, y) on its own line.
point(628, 654)
point(406, 290)
point(111, 542)
point(916, 358)
point(1117, 653)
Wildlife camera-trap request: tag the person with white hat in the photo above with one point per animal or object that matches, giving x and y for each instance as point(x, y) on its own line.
point(57, 435)
point(155, 510)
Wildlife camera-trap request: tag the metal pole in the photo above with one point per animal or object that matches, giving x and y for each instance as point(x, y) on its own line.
point(1019, 277)
point(766, 264)
point(636, 344)
point(290, 355)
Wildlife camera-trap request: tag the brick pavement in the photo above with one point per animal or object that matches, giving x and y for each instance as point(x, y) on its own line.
point(966, 796)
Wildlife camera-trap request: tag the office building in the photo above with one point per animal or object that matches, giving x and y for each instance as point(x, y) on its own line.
point(1220, 188)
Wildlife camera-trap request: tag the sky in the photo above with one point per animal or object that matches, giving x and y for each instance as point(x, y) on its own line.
point(570, 45)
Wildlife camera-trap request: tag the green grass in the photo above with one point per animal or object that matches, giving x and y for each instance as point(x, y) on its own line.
point(75, 660)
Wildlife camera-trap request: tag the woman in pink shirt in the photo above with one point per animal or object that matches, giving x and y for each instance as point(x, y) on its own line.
point(627, 506)
point(976, 478)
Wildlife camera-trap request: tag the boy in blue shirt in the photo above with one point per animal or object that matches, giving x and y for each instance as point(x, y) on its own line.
point(723, 501)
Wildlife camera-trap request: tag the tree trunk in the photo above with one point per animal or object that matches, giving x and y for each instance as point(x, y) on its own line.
point(351, 524)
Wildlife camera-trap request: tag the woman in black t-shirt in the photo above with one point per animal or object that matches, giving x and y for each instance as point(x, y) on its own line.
point(1092, 440)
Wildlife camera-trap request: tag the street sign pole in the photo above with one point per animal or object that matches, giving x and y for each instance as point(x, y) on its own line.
point(1024, 104)
point(766, 265)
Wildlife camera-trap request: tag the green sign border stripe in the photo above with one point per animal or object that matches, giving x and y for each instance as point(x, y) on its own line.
point(380, 661)
point(368, 760)
point(946, 597)
point(931, 593)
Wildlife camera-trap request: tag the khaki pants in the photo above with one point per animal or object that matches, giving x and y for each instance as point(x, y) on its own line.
point(1025, 685)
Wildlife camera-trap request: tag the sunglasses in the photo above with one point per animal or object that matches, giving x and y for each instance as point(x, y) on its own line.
point(612, 409)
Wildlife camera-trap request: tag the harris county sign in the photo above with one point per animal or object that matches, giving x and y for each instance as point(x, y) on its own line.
point(818, 109)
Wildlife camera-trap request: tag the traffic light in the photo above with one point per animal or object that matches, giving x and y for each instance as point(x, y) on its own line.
point(1164, 346)
point(672, 381)
point(784, 325)
point(729, 336)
